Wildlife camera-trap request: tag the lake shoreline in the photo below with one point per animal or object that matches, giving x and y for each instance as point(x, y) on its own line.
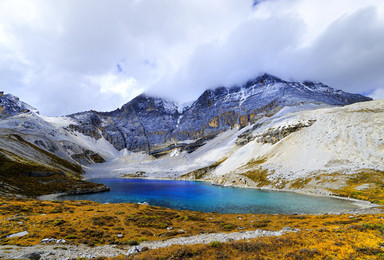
point(361, 205)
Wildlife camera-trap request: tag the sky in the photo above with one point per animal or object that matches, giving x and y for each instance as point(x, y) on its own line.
point(67, 56)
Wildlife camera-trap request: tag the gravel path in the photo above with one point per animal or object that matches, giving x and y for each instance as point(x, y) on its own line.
point(63, 251)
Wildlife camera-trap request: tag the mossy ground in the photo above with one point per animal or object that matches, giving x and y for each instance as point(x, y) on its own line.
point(83, 222)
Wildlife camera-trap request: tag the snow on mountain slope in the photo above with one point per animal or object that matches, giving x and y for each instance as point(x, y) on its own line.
point(157, 126)
point(172, 165)
point(295, 143)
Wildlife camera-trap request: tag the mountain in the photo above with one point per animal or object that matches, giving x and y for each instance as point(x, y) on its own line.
point(264, 132)
point(11, 105)
point(157, 126)
point(310, 148)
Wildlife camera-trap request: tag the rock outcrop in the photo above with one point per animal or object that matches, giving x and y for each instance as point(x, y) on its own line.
point(11, 105)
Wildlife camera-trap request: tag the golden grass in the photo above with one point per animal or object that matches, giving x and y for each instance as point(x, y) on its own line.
point(345, 242)
point(91, 223)
point(259, 176)
point(300, 183)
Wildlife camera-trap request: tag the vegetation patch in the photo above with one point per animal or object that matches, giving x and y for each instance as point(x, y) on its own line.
point(374, 191)
point(23, 177)
point(320, 236)
point(259, 176)
point(300, 183)
point(200, 173)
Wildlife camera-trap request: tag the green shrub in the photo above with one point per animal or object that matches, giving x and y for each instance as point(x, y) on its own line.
point(72, 236)
point(215, 244)
point(58, 222)
point(132, 242)
point(227, 226)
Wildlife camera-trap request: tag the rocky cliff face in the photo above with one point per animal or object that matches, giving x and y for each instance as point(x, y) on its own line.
point(11, 106)
point(156, 126)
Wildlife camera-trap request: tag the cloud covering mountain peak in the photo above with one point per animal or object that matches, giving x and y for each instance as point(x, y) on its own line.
point(63, 56)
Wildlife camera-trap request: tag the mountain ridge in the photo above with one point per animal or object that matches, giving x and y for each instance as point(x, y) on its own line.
point(151, 124)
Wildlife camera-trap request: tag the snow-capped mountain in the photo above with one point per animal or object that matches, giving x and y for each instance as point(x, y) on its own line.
point(157, 126)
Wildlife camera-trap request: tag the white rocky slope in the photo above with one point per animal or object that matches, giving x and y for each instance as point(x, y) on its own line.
point(295, 143)
point(342, 139)
point(50, 133)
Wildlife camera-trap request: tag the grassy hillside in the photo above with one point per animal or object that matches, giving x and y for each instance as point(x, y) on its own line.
point(38, 172)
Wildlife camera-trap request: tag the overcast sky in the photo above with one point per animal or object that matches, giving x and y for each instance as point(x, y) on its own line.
point(66, 56)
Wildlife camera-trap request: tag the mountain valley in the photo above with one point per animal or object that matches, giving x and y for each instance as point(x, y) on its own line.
point(266, 133)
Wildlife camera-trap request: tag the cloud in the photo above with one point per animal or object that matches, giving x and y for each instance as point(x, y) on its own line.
point(121, 85)
point(68, 56)
point(377, 94)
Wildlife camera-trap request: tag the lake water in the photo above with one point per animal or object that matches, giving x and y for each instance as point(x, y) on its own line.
point(200, 196)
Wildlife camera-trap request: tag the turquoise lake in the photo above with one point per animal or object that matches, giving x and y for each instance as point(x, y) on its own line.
point(200, 196)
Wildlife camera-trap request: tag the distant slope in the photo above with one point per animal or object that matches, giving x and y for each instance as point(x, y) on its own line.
point(333, 139)
point(26, 169)
point(323, 149)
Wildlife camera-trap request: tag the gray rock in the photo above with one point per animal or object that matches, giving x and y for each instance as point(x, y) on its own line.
point(19, 234)
point(134, 250)
point(33, 256)
point(48, 240)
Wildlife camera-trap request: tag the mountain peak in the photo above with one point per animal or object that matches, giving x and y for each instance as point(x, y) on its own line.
point(144, 102)
point(11, 105)
point(268, 78)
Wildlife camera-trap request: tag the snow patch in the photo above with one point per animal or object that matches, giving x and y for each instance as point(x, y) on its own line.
point(60, 121)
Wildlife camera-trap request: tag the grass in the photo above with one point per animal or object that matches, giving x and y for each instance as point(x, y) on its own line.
point(84, 222)
point(15, 176)
point(259, 176)
point(300, 183)
point(336, 242)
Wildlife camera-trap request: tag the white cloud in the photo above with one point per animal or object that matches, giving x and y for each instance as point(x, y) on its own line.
point(57, 54)
point(377, 94)
point(127, 88)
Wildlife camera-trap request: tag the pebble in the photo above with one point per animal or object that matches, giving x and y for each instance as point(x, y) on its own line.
point(53, 240)
point(134, 250)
